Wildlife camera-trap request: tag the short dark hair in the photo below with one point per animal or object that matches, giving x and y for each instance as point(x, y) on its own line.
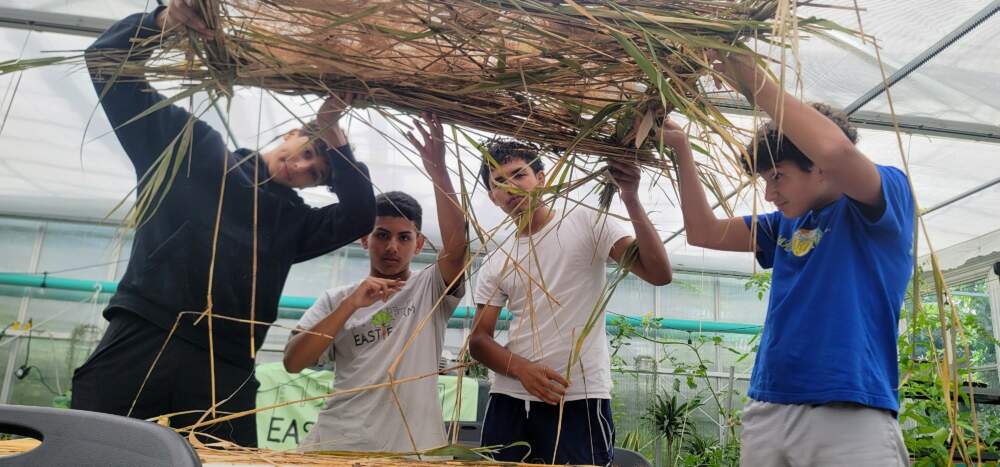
point(770, 147)
point(312, 131)
point(506, 150)
point(399, 204)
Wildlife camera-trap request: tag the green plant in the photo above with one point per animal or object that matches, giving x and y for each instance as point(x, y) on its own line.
point(760, 283)
point(684, 358)
point(477, 370)
point(699, 445)
point(671, 418)
point(640, 440)
point(707, 450)
point(633, 440)
point(928, 408)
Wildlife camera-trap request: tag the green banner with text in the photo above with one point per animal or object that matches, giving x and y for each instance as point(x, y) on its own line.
point(285, 427)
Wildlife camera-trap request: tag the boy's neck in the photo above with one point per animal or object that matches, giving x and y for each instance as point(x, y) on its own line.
point(826, 200)
point(539, 218)
point(403, 276)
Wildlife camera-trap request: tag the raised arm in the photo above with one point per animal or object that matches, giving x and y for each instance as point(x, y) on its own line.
point(451, 218)
point(341, 223)
point(353, 216)
point(702, 227)
point(651, 264)
point(539, 380)
point(819, 138)
point(145, 137)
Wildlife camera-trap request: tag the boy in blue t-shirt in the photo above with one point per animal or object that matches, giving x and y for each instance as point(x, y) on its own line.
point(824, 385)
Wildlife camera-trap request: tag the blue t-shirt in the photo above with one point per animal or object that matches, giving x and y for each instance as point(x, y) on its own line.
point(837, 289)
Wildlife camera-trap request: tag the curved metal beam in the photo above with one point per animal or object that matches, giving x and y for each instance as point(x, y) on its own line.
point(18, 18)
point(925, 56)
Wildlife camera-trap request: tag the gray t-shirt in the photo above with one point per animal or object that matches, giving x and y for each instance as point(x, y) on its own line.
point(362, 353)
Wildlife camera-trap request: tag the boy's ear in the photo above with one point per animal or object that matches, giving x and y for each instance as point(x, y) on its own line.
point(364, 242)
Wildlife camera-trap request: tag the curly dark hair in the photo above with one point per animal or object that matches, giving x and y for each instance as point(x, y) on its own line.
point(770, 148)
point(505, 150)
point(399, 204)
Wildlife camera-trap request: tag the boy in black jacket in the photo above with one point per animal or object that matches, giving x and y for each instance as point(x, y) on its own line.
point(171, 269)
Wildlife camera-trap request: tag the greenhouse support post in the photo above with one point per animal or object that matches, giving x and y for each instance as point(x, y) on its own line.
point(993, 289)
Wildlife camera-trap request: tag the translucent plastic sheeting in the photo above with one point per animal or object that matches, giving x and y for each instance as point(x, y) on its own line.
point(961, 83)
point(108, 9)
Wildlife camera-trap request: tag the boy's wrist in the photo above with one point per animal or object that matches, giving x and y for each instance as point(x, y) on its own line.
point(349, 306)
point(513, 367)
point(753, 82)
point(334, 136)
point(437, 173)
point(629, 197)
point(684, 152)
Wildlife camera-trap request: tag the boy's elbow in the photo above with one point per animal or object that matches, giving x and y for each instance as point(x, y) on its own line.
point(696, 240)
point(835, 152)
point(366, 211)
point(696, 231)
point(662, 278)
point(669, 278)
point(366, 223)
point(703, 234)
point(475, 345)
point(290, 365)
point(358, 221)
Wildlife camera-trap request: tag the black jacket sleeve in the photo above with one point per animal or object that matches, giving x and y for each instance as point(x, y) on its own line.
point(125, 98)
point(352, 217)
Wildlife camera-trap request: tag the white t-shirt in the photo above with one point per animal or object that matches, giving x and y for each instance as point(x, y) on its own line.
point(551, 290)
point(362, 353)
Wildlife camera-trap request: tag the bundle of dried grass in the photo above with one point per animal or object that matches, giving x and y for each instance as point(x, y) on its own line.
point(570, 75)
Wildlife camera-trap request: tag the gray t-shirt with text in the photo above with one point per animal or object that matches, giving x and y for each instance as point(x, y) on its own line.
point(364, 350)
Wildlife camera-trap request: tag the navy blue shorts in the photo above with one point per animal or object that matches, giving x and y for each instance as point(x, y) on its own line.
point(588, 433)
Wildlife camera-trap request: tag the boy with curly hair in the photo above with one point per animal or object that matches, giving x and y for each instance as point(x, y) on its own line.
point(824, 385)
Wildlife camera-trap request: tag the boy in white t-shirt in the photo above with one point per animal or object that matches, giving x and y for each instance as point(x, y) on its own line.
point(551, 275)
point(371, 322)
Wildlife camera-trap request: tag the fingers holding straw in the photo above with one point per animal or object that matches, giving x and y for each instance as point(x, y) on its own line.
point(181, 15)
point(735, 69)
point(672, 135)
point(335, 106)
point(625, 173)
point(329, 115)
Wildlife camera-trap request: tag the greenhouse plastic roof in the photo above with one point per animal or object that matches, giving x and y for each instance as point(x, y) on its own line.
point(58, 159)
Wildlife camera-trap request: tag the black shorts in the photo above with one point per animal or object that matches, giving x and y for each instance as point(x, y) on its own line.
point(110, 379)
point(587, 436)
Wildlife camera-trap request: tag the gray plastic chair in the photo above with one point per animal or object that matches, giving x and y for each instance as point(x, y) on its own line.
point(79, 438)
point(629, 458)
